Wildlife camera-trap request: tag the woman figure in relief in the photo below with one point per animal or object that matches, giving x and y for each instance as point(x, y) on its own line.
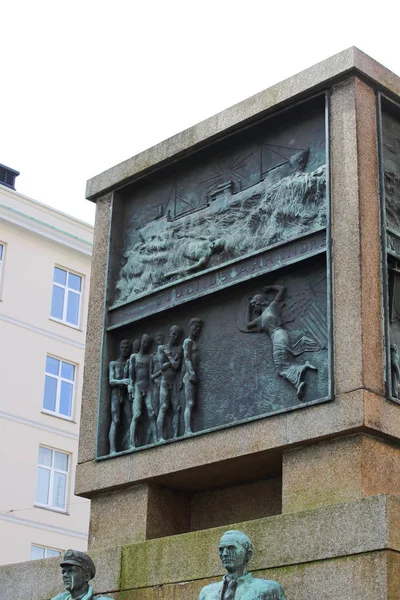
point(268, 318)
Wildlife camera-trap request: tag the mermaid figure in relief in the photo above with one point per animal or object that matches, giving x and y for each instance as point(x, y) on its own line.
point(268, 318)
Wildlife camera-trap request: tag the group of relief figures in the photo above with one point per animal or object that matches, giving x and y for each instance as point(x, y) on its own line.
point(144, 381)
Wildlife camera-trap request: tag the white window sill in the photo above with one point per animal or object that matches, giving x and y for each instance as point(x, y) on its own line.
point(57, 415)
point(61, 511)
point(65, 323)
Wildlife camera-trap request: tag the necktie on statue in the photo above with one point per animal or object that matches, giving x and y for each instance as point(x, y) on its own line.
point(230, 590)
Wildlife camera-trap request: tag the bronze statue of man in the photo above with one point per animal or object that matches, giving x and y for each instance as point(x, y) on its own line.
point(235, 550)
point(119, 381)
point(77, 570)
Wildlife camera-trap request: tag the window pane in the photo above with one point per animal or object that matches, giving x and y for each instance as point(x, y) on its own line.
point(45, 456)
point(61, 460)
point(74, 282)
point(50, 393)
point(37, 552)
point(50, 553)
point(52, 365)
point(67, 371)
point(42, 487)
point(73, 308)
point(57, 302)
point(66, 398)
point(59, 487)
point(60, 276)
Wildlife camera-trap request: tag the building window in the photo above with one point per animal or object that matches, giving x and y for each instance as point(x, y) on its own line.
point(52, 475)
point(43, 552)
point(59, 387)
point(66, 299)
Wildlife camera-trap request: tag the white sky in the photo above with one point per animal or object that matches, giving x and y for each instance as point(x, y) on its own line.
point(86, 84)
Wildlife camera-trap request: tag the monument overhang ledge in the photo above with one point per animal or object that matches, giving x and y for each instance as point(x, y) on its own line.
point(351, 61)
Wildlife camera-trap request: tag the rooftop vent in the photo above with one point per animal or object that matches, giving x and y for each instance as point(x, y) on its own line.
point(7, 176)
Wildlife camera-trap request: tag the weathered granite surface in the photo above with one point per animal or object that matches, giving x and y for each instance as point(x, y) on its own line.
point(341, 551)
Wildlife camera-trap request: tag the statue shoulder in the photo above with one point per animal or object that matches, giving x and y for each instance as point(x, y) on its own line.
point(268, 588)
point(61, 596)
point(210, 591)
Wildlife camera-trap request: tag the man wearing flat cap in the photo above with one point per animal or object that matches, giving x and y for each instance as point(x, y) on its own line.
point(77, 570)
point(235, 551)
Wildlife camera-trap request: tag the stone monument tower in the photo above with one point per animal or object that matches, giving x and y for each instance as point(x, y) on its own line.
point(242, 361)
point(263, 246)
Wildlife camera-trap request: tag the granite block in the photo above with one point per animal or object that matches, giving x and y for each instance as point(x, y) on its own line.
point(91, 375)
point(393, 570)
point(339, 470)
point(212, 508)
point(41, 579)
point(345, 413)
point(318, 534)
point(346, 301)
point(326, 473)
point(381, 415)
point(213, 448)
point(363, 577)
point(31, 580)
point(96, 476)
point(108, 569)
point(168, 512)
point(380, 467)
point(247, 452)
point(118, 518)
point(369, 207)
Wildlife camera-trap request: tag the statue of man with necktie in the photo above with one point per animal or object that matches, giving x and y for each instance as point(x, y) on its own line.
point(235, 550)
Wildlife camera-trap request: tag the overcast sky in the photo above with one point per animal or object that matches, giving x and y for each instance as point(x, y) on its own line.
point(86, 84)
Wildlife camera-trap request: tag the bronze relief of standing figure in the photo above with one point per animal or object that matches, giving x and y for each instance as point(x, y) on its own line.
point(119, 381)
point(190, 370)
point(156, 375)
point(140, 370)
point(268, 318)
point(170, 361)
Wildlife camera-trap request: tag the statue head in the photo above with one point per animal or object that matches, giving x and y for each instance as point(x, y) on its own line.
point(235, 551)
point(217, 245)
point(160, 338)
point(125, 348)
point(135, 346)
point(77, 570)
point(258, 303)
point(175, 334)
point(146, 343)
point(195, 326)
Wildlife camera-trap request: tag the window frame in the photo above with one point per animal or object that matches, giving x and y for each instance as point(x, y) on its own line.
point(53, 470)
point(65, 288)
point(59, 378)
point(45, 549)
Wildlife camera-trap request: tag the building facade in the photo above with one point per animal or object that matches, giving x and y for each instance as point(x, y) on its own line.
point(45, 260)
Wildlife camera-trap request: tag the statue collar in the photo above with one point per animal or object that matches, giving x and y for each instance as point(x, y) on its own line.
point(227, 578)
point(87, 596)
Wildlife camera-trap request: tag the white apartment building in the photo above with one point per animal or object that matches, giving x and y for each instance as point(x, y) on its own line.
point(44, 282)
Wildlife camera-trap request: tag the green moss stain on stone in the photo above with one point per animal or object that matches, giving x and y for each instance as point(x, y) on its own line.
point(307, 499)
